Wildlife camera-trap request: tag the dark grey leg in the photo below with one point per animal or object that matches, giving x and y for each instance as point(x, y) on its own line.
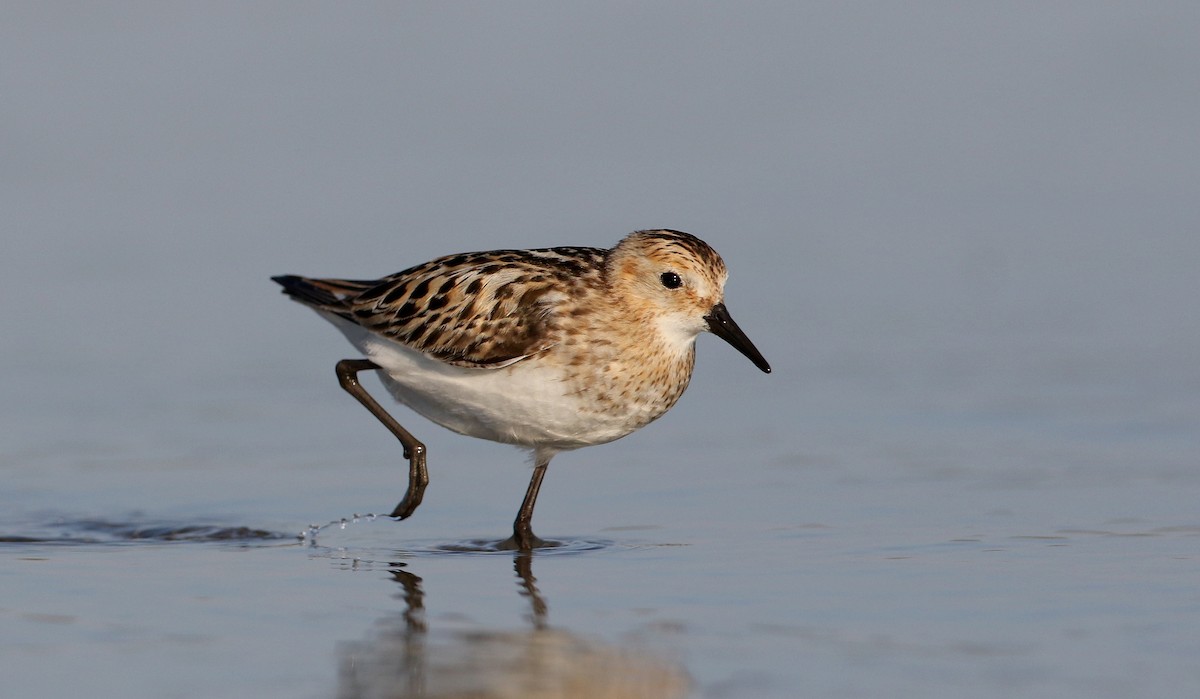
point(523, 538)
point(414, 451)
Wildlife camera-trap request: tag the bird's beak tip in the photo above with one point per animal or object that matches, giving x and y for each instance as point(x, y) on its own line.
point(721, 324)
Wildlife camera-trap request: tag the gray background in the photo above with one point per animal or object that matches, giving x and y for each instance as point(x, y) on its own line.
point(875, 173)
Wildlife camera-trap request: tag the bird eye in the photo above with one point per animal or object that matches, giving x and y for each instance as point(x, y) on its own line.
point(671, 280)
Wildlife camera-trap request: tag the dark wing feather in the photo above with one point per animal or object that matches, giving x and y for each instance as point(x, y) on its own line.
point(486, 310)
point(323, 294)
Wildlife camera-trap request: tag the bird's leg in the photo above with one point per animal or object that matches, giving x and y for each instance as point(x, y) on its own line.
point(414, 451)
point(523, 538)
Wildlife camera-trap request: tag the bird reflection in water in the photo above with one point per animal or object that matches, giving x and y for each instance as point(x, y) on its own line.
point(404, 659)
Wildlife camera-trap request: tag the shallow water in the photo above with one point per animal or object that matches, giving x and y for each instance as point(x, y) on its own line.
point(819, 552)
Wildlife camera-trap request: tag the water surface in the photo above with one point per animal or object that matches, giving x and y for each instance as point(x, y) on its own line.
point(856, 556)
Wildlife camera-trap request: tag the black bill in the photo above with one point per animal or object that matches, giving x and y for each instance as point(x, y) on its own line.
point(722, 325)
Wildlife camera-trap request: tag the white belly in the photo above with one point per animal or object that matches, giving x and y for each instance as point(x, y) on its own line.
point(527, 403)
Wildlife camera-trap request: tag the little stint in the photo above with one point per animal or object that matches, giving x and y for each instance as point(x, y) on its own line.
point(550, 349)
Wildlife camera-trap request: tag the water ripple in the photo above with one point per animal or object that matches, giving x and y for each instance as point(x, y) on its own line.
point(79, 532)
